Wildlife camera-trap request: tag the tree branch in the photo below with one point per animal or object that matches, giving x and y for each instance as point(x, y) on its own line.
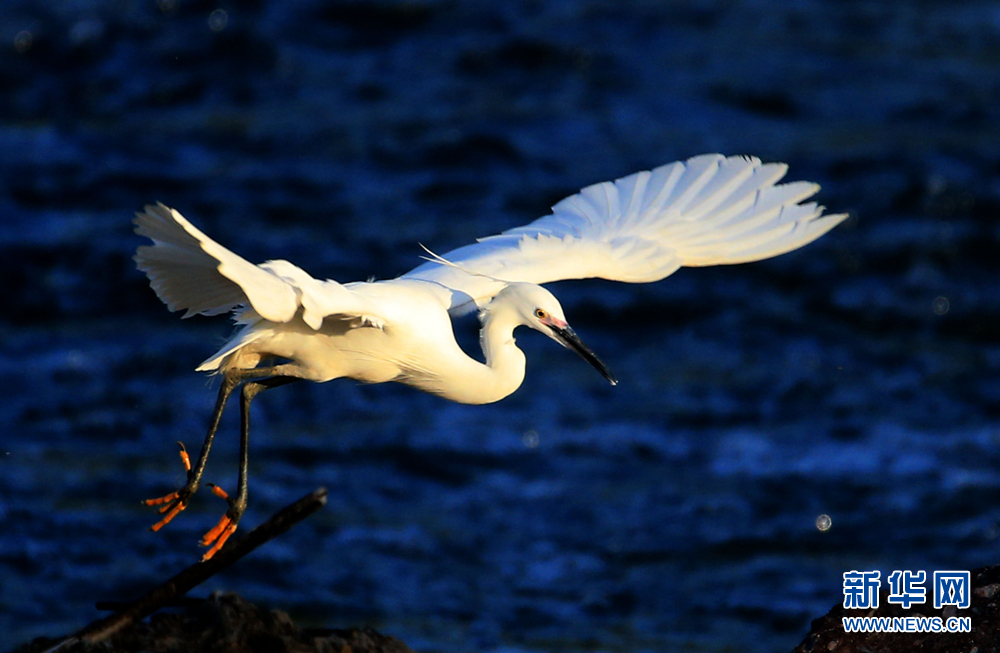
point(197, 573)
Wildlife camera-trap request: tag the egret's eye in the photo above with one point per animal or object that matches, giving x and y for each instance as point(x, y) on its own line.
point(540, 314)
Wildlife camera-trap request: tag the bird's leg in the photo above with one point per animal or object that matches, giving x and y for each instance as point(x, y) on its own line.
point(175, 502)
point(217, 536)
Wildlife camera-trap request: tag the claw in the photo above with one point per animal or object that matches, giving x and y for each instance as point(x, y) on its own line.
point(219, 534)
point(217, 530)
point(165, 499)
point(173, 509)
point(218, 491)
point(217, 537)
point(223, 537)
point(185, 458)
point(174, 501)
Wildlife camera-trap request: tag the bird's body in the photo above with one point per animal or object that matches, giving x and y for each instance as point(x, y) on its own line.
point(709, 210)
point(410, 341)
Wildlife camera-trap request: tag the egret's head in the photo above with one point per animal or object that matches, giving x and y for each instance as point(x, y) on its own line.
point(533, 305)
point(537, 308)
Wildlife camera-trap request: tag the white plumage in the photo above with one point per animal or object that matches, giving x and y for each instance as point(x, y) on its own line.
point(708, 210)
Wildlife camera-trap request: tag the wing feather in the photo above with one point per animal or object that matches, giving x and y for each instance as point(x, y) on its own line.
point(190, 271)
point(708, 210)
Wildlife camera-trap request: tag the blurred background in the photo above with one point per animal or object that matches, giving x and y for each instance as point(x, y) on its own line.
point(856, 378)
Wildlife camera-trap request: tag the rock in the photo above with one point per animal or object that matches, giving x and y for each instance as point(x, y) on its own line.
point(226, 621)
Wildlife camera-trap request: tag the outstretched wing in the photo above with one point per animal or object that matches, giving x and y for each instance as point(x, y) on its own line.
point(708, 210)
point(188, 270)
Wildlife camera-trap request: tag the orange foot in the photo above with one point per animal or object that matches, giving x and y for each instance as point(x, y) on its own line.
point(217, 537)
point(175, 501)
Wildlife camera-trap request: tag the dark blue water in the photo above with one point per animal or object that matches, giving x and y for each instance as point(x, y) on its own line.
point(858, 378)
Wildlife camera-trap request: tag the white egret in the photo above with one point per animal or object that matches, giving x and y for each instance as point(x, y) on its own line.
point(708, 210)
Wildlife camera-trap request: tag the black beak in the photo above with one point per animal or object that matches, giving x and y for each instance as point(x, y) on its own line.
point(568, 338)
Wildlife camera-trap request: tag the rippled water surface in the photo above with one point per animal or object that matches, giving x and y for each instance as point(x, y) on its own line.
point(858, 378)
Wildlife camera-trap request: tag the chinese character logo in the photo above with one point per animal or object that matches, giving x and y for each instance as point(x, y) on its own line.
point(951, 588)
point(904, 590)
point(861, 589)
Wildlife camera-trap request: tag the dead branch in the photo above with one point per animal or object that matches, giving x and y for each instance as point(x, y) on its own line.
point(197, 573)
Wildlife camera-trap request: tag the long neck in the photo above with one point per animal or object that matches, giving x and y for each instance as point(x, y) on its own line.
point(504, 360)
point(504, 369)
